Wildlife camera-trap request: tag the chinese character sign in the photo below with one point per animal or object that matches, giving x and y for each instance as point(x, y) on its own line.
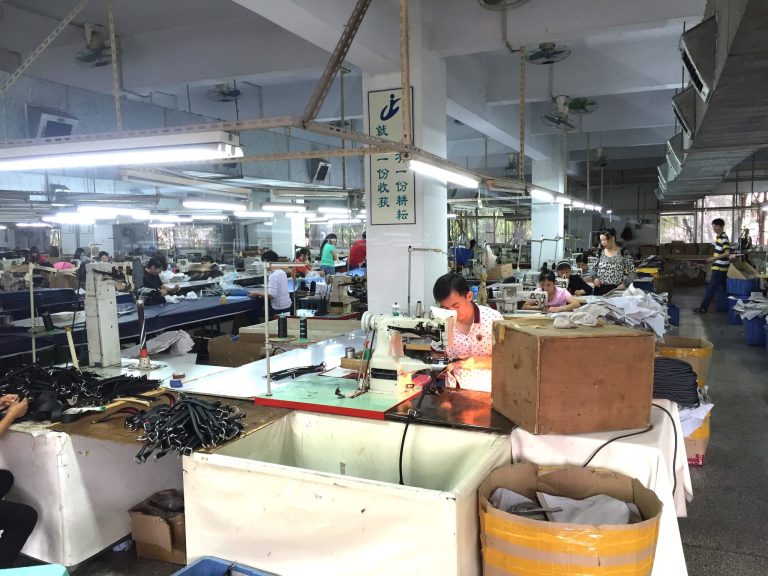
point(392, 188)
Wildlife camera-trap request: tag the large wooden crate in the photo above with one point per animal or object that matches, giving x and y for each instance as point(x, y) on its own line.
point(570, 381)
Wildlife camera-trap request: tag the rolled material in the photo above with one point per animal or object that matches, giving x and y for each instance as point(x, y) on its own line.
point(303, 333)
point(282, 327)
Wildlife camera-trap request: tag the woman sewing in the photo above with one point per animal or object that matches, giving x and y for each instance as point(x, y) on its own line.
point(614, 268)
point(558, 299)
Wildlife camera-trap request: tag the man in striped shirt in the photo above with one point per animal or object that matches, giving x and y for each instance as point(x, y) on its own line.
point(720, 262)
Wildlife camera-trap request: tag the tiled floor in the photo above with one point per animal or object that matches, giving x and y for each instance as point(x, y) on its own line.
point(725, 532)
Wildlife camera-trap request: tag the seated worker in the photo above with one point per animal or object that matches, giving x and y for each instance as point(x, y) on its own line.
point(152, 278)
point(558, 299)
point(302, 257)
point(277, 288)
point(357, 254)
point(103, 256)
point(576, 284)
point(473, 331)
point(16, 520)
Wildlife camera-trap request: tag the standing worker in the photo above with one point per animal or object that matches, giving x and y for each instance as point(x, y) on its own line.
point(328, 254)
point(302, 257)
point(614, 269)
point(357, 254)
point(720, 262)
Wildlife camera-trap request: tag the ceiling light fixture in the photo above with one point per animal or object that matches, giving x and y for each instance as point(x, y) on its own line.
point(203, 205)
point(253, 214)
point(563, 200)
point(32, 225)
point(597, 208)
point(443, 175)
point(451, 216)
point(209, 217)
point(273, 207)
point(609, 211)
point(578, 205)
point(344, 221)
point(3, 227)
point(76, 218)
point(112, 212)
point(123, 151)
point(589, 206)
point(543, 195)
point(334, 210)
point(268, 223)
point(161, 225)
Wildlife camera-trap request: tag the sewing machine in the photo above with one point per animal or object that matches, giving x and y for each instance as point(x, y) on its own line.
point(339, 299)
point(561, 282)
point(101, 314)
point(507, 299)
point(390, 368)
point(183, 265)
point(540, 298)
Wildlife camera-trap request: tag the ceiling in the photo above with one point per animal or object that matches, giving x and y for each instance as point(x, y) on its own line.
point(624, 56)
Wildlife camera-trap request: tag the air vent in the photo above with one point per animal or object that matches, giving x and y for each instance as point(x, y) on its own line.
point(659, 194)
point(698, 47)
point(674, 153)
point(684, 107)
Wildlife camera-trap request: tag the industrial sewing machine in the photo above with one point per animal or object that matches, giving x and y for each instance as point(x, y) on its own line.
point(540, 298)
point(339, 299)
point(101, 314)
point(390, 368)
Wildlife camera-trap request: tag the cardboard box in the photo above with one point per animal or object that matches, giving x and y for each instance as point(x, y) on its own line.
point(694, 351)
point(741, 271)
point(158, 535)
point(500, 272)
point(691, 249)
point(513, 544)
point(677, 247)
point(646, 251)
point(226, 351)
point(696, 443)
point(572, 381)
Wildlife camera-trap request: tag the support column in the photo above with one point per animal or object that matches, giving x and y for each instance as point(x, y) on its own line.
point(287, 232)
point(388, 244)
point(548, 219)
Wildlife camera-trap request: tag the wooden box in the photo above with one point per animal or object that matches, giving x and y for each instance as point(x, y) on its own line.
point(570, 381)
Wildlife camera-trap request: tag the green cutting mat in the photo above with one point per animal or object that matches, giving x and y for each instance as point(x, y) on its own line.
point(318, 394)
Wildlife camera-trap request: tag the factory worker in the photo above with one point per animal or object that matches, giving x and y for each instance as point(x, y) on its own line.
point(558, 299)
point(16, 520)
point(576, 284)
point(472, 334)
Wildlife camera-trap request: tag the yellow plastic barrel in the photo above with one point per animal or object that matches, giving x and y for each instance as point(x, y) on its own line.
point(697, 352)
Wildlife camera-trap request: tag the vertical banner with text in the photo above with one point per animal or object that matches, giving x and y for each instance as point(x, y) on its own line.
point(393, 192)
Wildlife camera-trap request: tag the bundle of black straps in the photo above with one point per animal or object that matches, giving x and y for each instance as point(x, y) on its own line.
point(51, 390)
point(183, 426)
point(675, 380)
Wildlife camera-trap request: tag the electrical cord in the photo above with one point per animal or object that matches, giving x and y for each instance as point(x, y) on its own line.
point(599, 448)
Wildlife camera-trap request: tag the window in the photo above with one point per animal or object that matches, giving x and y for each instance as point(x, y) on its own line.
point(715, 207)
point(203, 238)
point(677, 228)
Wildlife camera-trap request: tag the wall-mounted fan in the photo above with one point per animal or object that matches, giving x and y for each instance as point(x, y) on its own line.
point(224, 93)
point(582, 105)
point(97, 51)
point(558, 118)
point(547, 53)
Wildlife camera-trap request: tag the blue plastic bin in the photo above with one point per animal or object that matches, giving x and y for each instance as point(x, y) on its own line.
point(739, 287)
point(47, 570)
point(674, 315)
point(733, 317)
point(754, 331)
point(210, 566)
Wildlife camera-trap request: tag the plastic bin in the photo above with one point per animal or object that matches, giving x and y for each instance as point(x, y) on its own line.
point(674, 314)
point(698, 353)
point(209, 566)
point(733, 317)
point(739, 287)
point(754, 331)
point(328, 486)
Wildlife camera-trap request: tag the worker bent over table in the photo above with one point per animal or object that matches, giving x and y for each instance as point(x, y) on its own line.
point(472, 334)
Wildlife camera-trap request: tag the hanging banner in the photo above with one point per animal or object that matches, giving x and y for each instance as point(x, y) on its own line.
point(393, 191)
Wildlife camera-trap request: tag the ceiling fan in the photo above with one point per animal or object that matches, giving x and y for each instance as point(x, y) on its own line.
point(547, 53)
point(564, 105)
point(224, 93)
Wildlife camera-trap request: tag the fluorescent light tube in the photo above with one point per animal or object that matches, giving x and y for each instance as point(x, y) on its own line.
point(32, 225)
point(563, 200)
point(70, 218)
point(577, 204)
point(542, 195)
point(318, 219)
point(589, 206)
point(161, 225)
point(443, 175)
point(110, 212)
point(597, 208)
point(268, 223)
point(165, 218)
point(609, 211)
point(334, 210)
point(253, 214)
point(3, 227)
point(451, 216)
point(203, 205)
point(272, 207)
point(127, 150)
point(344, 221)
point(209, 217)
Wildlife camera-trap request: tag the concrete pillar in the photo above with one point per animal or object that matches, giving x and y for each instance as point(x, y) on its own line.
point(287, 232)
point(547, 219)
point(388, 244)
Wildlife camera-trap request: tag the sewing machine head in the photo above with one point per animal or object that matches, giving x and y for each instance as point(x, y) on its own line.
point(339, 291)
point(390, 367)
point(507, 299)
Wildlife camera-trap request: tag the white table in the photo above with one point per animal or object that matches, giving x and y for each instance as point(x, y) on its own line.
point(83, 487)
point(647, 457)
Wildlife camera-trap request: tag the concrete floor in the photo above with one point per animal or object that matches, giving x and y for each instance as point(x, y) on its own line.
point(725, 529)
